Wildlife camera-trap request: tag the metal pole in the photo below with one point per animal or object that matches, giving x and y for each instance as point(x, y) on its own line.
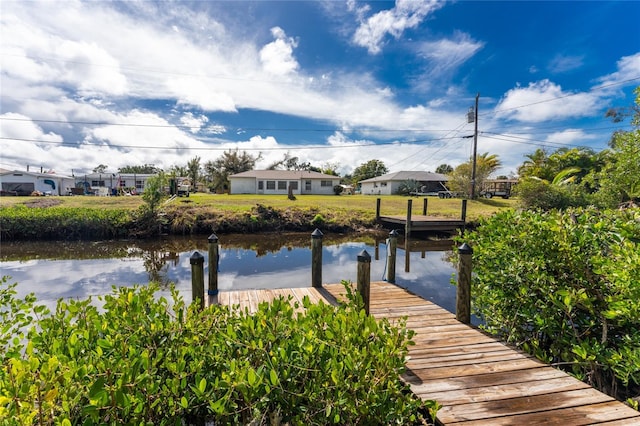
point(475, 151)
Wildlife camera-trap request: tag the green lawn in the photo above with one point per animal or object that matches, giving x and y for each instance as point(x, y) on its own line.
point(365, 204)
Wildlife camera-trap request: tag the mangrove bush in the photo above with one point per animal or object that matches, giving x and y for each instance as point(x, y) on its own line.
point(564, 286)
point(140, 359)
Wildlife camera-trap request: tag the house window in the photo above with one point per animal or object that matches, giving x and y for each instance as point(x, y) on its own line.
point(97, 183)
point(271, 184)
point(282, 184)
point(383, 184)
point(307, 185)
point(293, 185)
point(140, 185)
point(261, 185)
point(326, 183)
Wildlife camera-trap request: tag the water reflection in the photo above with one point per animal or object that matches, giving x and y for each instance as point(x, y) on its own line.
point(55, 270)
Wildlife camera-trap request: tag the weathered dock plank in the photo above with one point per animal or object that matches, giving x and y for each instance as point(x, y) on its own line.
point(477, 380)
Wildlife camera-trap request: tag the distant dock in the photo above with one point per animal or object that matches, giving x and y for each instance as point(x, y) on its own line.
point(423, 222)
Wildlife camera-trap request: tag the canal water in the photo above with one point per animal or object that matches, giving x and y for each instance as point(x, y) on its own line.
point(54, 270)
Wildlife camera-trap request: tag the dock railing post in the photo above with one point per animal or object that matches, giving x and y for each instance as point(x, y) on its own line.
point(214, 257)
point(424, 206)
point(316, 258)
point(391, 256)
point(463, 291)
point(364, 278)
point(197, 278)
point(463, 212)
point(407, 227)
point(378, 209)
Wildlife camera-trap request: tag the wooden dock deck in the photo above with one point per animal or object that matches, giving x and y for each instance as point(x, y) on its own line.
point(477, 380)
point(423, 222)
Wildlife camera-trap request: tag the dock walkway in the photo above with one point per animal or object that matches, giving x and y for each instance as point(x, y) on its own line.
point(477, 379)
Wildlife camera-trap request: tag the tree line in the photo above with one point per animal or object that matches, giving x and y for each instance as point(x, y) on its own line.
point(565, 177)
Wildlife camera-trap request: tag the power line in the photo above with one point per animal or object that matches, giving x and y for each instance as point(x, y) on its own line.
point(290, 148)
point(528, 141)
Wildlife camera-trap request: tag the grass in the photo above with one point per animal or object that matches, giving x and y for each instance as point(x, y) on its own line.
point(362, 204)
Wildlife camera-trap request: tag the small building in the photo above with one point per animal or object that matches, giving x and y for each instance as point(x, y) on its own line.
point(281, 181)
point(15, 182)
point(391, 182)
point(112, 183)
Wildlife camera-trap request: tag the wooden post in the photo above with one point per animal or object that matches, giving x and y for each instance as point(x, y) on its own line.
point(407, 255)
point(214, 258)
point(378, 209)
point(316, 258)
point(463, 213)
point(391, 256)
point(364, 278)
point(407, 227)
point(424, 206)
point(463, 292)
point(197, 278)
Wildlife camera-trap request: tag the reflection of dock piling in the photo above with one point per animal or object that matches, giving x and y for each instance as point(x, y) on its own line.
point(475, 377)
point(422, 222)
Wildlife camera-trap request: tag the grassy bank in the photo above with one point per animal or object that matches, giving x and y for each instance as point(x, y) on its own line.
point(88, 217)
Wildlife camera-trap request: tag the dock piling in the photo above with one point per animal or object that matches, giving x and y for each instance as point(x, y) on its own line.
point(316, 258)
point(364, 278)
point(424, 206)
point(197, 278)
point(214, 257)
point(463, 291)
point(407, 226)
point(391, 256)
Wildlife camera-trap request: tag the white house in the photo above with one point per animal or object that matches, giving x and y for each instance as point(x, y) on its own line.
point(110, 182)
point(15, 182)
point(280, 181)
point(390, 183)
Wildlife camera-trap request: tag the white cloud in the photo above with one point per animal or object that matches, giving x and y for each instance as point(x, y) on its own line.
point(563, 63)
point(18, 126)
point(446, 55)
point(570, 137)
point(545, 100)
point(277, 56)
point(628, 69)
point(405, 15)
point(193, 123)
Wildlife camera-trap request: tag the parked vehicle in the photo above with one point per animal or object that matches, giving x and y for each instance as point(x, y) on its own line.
point(498, 188)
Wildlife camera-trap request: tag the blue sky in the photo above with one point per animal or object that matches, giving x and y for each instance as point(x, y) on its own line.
point(332, 83)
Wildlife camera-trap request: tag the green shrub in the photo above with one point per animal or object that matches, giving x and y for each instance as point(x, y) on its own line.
point(564, 286)
point(21, 222)
point(538, 194)
point(140, 359)
point(318, 220)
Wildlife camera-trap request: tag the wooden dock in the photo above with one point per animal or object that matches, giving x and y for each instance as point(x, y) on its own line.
point(477, 379)
point(422, 222)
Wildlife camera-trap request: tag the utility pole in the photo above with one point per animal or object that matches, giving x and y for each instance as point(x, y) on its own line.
point(475, 151)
